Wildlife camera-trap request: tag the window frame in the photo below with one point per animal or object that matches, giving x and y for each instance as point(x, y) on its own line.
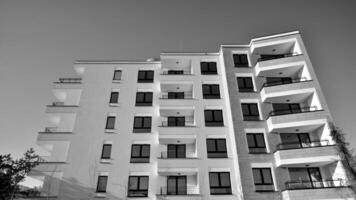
point(261, 175)
point(249, 116)
point(102, 151)
point(144, 191)
point(209, 68)
point(141, 158)
point(108, 118)
point(112, 97)
point(101, 190)
point(144, 102)
point(214, 122)
point(211, 94)
point(237, 60)
point(256, 146)
point(146, 78)
point(243, 88)
point(114, 77)
point(218, 153)
point(142, 128)
point(227, 188)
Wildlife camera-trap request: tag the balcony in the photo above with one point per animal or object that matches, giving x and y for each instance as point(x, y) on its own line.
point(177, 122)
point(324, 189)
point(176, 69)
point(178, 184)
point(180, 192)
point(69, 81)
point(175, 93)
point(267, 57)
point(60, 122)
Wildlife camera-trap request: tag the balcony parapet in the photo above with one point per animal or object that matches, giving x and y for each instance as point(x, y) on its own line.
point(295, 111)
point(186, 123)
point(279, 56)
point(301, 185)
point(179, 191)
point(185, 155)
point(298, 145)
point(278, 83)
point(176, 72)
point(186, 95)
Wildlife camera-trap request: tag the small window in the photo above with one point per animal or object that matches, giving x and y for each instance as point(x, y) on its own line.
point(144, 98)
point(245, 84)
point(145, 76)
point(114, 97)
point(208, 68)
point(216, 148)
point(213, 118)
point(117, 75)
point(110, 122)
point(256, 142)
point(138, 186)
point(250, 111)
point(106, 153)
point(140, 153)
point(211, 91)
point(263, 179)
point(142, 124)
point(240, 60)
point(102, 182)
point(220, 183)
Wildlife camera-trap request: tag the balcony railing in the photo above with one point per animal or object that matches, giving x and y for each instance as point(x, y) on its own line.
point(294, 111)
point(185, 123)
point(178, 95)
point(176, 72)
point(179, 190)
point(300, 185)
point(51, 129)
point(302, 145)
point(277, 56)
point(275, 83)
point(69, 80)
point(177, 155)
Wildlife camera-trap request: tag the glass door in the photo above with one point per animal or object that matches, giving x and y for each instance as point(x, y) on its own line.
point(176, 185)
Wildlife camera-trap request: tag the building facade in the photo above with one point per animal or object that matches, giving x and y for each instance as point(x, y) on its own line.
point(247, 122)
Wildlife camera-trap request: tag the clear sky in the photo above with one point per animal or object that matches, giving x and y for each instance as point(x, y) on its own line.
point(39, 40)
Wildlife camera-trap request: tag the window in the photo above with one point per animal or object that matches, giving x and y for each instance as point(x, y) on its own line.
point(138, 186)
point(240, 60)
point(102, 182)
point(145, 76)
point(144, 98)
point(176, 185)
point(219, 183)
point(285, 108)
point(114, 97)
point(106, 153)
point(250, 111)
point(117, 75)
point(140, 153)
point(270, 81)
point(208, 68)
point(176, 151)
point(245, 84)
point(263, 179)
point(216, 148)
point(175, 95)
point(213, 118)
point(256, 143)
point(176, 121)
point(211, 91)
point(142, 124)
point(170, 72)
point(110, 122)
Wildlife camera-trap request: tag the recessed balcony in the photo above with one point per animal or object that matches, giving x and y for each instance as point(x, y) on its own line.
point(175, 93)
point(176, 69)
point(60, 123)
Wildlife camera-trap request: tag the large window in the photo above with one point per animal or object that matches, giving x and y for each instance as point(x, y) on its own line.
point(263, 179)
point(250, 111)
point(110, 122)
point(106, 152)
point(114, 97)
point(142, 124)
point(211, 91)
point(145, 76)
point(240, 60)
point(101, 185)
point(285, 108)
point(176, 151)
point(220, 183)
point(256, 142)
point(117, 75)
point(138, 186)
point(140, 153)
point(176, 185)
point(208, 68)
point(245, 84)
point(144, 98)
point(216, 148)
point(213, 118)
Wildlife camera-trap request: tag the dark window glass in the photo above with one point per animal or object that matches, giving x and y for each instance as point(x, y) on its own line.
point(208, 68)
point(102, 182)
point(213, 118)
point(176, 185)
point(144, 98)
point(285, 108)
point(270, 81)
point(175, 95)
point(256, 143)
point(176, 121)
point(240, 60)
point(262, 176)
point(140, 153)
point(117, 75)
point(138, 186)
point(245, 84)
point(142, 124)
point(145, 76)
point(175, 71)
point(110, 122)
point(114, 97)
point(219, 183)
point(250, 111)
point(216, 148)
point(211, 91)
point(106, 153)
point(176, 151)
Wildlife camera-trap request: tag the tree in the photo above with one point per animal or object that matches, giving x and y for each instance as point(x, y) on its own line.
point(13, 171)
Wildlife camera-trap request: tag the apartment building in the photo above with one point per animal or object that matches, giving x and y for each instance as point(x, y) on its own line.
point(247, 122)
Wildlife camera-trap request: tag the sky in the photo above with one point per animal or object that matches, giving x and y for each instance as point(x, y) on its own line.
point(39, 41)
